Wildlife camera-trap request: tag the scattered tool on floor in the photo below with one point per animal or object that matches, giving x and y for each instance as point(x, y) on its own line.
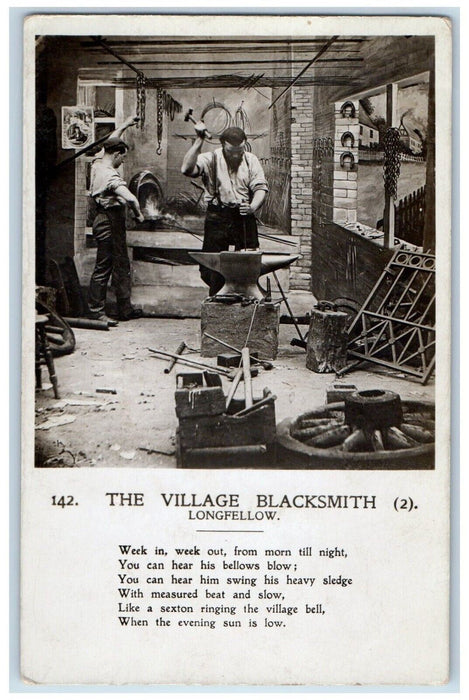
point(247, 377)
point(206, 426)
point(253, 357)
point(89, 324)
point(179, 350)
point(300, 341)
point(229, 374)
point(233, 387)
point(268, 398)
point(300, 320)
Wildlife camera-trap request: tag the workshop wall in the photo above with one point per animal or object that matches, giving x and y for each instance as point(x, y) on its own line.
point(254, 107)
point(58, 68)
point(334, 249)
point(277, 206)
point(301, 182)
point(143, 143)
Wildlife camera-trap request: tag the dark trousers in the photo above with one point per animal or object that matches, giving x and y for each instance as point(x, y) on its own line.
point(112, 258)
point(224, 227)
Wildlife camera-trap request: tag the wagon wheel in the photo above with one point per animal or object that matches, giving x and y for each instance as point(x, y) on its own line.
point(60, 336)
point(363, 434)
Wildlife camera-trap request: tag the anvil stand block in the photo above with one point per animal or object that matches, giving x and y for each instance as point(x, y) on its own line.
point(231, 322)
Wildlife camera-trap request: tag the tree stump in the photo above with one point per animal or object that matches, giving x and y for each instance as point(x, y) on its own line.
point(326, 349)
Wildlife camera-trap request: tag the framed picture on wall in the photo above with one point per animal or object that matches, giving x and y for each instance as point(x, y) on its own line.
point(77, 127)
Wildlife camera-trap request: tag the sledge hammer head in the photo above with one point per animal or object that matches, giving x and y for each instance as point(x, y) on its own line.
point(188, 115)
point(189, 118)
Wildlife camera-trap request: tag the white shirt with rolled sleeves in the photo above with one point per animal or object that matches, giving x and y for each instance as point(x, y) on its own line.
point(233, 187)
point(104, 181)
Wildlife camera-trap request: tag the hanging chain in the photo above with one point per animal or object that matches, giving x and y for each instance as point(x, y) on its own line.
point(141, 98)
point(391, 164)
point(323, 150)
point(160, 94)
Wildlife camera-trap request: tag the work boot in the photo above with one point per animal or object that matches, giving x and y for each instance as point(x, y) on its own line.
point(130, 314)
point(105, 319)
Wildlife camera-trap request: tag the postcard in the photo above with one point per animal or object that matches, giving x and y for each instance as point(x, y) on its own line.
point(236, 473)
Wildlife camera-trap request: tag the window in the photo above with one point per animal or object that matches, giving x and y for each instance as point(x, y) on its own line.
point(361, 130)
point(371, 133)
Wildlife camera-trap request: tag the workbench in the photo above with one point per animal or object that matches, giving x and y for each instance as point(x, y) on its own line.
point(177, 290)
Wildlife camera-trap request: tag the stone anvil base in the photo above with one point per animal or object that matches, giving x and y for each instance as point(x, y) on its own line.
point(230, 323)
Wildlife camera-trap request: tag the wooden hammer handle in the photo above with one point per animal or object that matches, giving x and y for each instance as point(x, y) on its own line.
point(179, 350)
point(190, 118)
point(247, 377)
point(233, 387)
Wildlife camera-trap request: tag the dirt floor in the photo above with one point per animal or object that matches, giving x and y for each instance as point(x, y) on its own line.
point(136, 424)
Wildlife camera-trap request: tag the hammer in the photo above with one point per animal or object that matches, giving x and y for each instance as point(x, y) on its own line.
point(179, 350)
point(189, 118)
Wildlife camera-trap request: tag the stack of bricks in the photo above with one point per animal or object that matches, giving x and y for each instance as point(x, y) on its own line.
point(301, 183)
point(345, 185)
point(323, 158)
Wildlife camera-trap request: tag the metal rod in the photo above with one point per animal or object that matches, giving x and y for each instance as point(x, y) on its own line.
point(82, 152)
point(285, 45)
point(318, 55)
point(192, 363)
point(236, 62)
point(419, 294)
point(288, 307)
point(256, 304)
point(98, 40)
point(232, 347)
point(275, 239)
point(244, 233)
point(263, 402)
point(229, 80)
point(404, 321)
point(348, 368)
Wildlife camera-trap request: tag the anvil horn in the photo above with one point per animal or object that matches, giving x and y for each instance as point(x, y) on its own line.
point(270, 262)
point(241, 269)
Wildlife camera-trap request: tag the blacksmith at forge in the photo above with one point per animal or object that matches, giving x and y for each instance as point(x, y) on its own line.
point(110, 194)
point(235, 188)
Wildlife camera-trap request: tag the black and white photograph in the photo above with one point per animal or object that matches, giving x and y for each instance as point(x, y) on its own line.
point(236, 410)
point(239, 268)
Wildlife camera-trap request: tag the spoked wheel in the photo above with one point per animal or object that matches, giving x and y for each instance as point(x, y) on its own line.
point(370, 430)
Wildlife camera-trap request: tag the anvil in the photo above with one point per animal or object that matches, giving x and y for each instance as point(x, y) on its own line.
point(242, 269)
